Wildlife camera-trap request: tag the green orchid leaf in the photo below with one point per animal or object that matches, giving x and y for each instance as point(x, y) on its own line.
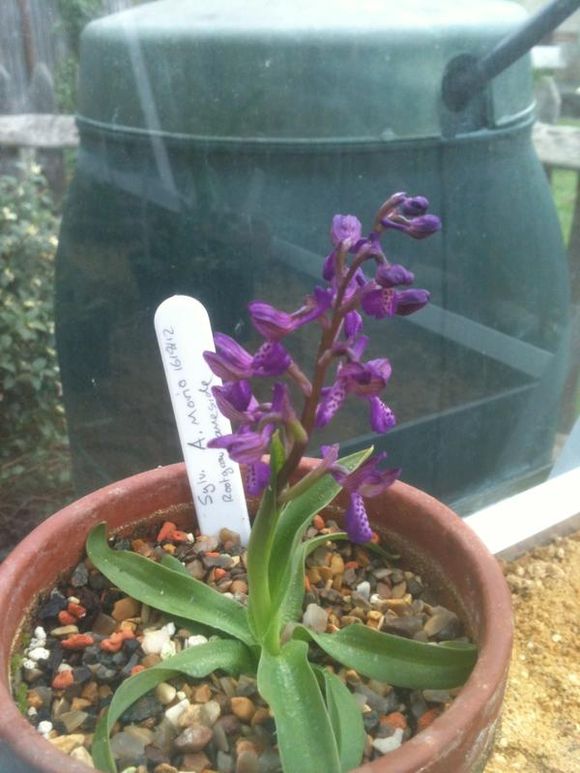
point(290, 605)
point(393, 659)
point(346, 719)
point(297, 515)
point(259, 546)
point(168, 590)
point(231, 656)
point(170, 562)
point(305, 737)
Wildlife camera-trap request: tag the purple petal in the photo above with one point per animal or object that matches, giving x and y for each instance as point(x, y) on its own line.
point(366, 379)
point(329, 266)
point(424, 226)
point(234, 399)
point(271, 359)
point(378, 302)
point(390, 276)
point(257, 478)
point(413, 206)
point(382, 417)
point(270, 322)
point(231, 361)
point(330, 403)
point(410, 301)
point(345, 228)
point(356, 521)
point(352, 324)
point(244, 446)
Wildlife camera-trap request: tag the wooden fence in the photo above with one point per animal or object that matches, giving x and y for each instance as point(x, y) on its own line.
point(31, 38)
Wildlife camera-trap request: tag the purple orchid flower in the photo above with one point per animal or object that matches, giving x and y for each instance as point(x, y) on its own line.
point(361, 379)
point(236, 401)
point(382, 418)
point(413, 206)
point(345, 229)
point(391, 275)
point(232, 362)
point(380, 302)
point(418, 227)
point(274, 324)
point(366, 481)
point(245, 446)
point(257, 478)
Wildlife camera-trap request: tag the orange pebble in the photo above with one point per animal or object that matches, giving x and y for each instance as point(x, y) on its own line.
point(375, 539)
point(166, 531)
point(318, 522)
point(427, 718)
point(180, 536)
point(307, 585)
point(78, 641)
point(137, 669)
point(212, 554)
point(115, 641)
point(76, 610)
point(395, 719)
point(219, 573)
point(351, 565)
point(65, 618)
point(63, 680)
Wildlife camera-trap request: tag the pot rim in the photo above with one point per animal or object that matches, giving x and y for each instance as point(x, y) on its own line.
point(482, 693)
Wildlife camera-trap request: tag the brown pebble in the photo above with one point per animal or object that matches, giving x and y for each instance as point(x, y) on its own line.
point(262, 715)
point(243, 708)
point(239, 586)
point(66, 743)
point(318, 522)
point(80, 704)
point(151, 660)
point(165, 767)
point(34, 699)
point(63, 631)
point(126, 608)
point(193, 739)
point(104, 625)
point(202, 694)
point(244, 745)
point(195, 762)
point(90, 692)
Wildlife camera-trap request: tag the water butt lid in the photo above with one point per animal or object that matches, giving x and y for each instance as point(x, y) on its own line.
point(300, 71)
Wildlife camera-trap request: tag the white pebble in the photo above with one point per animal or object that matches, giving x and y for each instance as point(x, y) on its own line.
point(167, 650)
point(316, 618)
point(384, 745)
point(73, 600)
point(180, 695)
point(39, 653)
point(154, 641)
point(28, 664)
point(44, 727)
point(64, 667)
point(194, 641)
point(39, 632)
point(174, 712)
point(31, 711)
point(364, 588)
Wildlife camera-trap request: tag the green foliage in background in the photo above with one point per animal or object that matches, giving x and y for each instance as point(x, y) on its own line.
point(74, 16)
point(31, 413)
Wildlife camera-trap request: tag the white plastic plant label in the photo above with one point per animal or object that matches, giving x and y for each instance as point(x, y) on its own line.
point(184, 332)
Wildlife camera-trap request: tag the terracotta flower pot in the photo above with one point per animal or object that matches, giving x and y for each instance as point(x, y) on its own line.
point(433, 539)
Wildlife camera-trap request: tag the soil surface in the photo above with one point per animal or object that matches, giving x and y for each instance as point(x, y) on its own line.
point(540, 726)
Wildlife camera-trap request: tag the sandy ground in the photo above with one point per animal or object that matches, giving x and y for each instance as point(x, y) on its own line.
point(540, 726)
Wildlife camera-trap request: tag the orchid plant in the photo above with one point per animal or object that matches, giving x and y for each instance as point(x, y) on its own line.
point(318, 723)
